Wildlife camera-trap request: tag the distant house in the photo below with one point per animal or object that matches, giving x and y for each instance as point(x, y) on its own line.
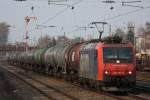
point(142, 44)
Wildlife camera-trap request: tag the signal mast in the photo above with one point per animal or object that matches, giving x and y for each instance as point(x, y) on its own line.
point(27, 20)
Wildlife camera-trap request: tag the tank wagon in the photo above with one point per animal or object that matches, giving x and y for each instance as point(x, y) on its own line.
point(110, 67)
point(38, 60)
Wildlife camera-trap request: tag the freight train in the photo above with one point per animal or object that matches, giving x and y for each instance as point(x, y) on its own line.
point(110, 67)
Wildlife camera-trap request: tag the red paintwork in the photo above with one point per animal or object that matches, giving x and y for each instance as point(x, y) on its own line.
point(113, 68)
point(116, 45)
point(72, 57)
point(120, 69)
point(100, 61)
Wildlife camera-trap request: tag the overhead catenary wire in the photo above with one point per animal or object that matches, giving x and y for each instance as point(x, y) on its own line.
point(127, 13)
point(106, 19)
point(117, 16)
point(124, 14)
point(61, 12)
point(53, 17)
point(57, 14)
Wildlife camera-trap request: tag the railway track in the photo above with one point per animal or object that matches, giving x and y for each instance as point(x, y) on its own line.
point(143, 81)
point(143, 75)
point(64, 90)
point(143, 85)
point(49, 86)
point(122, 95)
point(49, 92)
point(22, 87)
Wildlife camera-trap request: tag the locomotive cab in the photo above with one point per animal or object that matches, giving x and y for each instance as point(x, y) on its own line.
point(118, 64)
point(111, 66)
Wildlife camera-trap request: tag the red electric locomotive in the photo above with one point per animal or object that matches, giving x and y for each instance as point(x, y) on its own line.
point(109, 66)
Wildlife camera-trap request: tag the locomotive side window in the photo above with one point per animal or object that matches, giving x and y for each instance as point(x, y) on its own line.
point(111, 54)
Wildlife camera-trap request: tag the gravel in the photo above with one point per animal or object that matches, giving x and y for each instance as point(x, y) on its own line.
point(11, 88)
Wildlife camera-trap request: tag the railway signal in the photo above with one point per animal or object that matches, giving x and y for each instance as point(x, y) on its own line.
point(27, 20)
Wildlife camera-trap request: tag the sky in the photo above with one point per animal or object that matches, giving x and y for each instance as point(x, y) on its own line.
point(68, 20)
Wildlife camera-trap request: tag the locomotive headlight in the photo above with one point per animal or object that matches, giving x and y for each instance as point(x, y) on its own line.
point(106, 72)
point(130, 72)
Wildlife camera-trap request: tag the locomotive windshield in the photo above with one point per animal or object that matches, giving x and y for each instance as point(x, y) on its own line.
point(112, 54)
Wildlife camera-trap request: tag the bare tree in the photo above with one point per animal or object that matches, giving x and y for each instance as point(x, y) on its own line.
point(147, 28)
point(140, 31)
point(77, 40)
point(144, 32)
point(119, 32)
point(62, 40)
point(43, 41)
